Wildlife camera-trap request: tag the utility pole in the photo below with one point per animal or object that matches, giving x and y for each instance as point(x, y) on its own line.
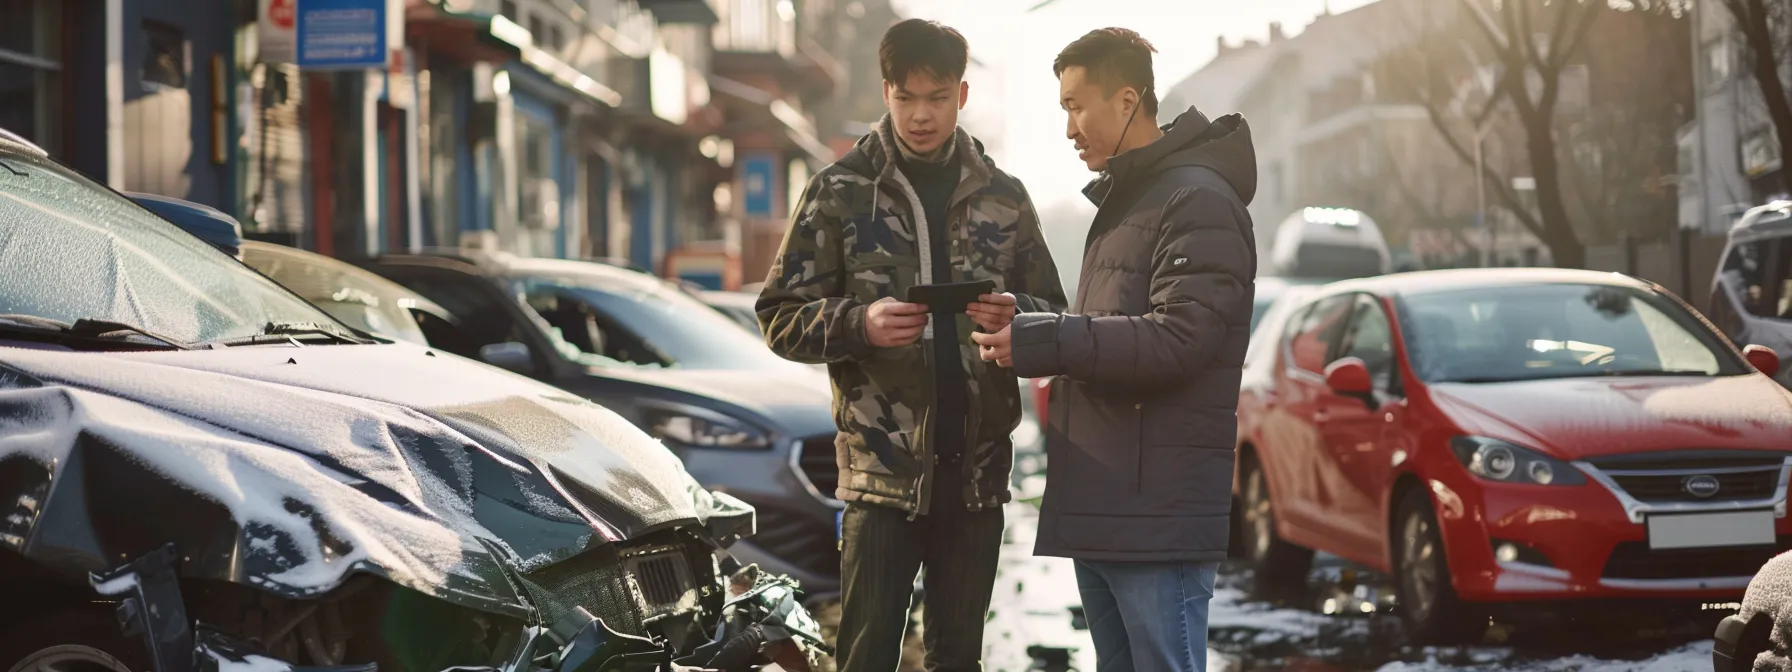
point(1481, 195)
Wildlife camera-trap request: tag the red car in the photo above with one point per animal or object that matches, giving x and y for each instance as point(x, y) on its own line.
point(1505, 435)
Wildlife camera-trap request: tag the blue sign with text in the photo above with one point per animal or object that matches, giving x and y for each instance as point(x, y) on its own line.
point(345, 34)
point(757, 177)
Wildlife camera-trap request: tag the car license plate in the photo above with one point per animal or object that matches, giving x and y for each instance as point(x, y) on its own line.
point(1709, 530)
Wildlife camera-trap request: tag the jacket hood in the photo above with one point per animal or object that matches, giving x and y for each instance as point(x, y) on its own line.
point(290, 468)
point(1223, 145)
point(871, 156)
point(1577, 418)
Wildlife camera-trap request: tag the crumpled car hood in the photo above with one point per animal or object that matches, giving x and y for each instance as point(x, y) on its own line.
point(290, 468)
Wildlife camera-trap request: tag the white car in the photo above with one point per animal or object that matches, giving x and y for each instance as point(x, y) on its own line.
point(1751, 292)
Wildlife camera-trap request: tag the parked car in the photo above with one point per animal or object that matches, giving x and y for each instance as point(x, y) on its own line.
point(241, 481)
point(1511, 435)
point(1751, 292)
point(1268, 289)
point(1328, 243)
point(738, 306)
point(358, 297)
point(744, 421)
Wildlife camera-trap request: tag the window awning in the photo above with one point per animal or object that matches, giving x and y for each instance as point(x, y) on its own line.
point(796, 127)
point(682, 11)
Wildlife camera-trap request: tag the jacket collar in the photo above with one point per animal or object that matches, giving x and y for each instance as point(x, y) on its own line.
point(880, 148)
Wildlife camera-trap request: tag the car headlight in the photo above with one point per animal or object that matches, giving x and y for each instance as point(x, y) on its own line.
point(1501, 462)
point(696, 429)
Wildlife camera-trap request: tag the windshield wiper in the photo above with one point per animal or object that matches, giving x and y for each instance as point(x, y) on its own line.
point(85, 329)
point(105, 328)
point(282, 332)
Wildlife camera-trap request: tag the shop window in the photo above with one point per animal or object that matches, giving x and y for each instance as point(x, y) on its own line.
point(165, 58)
point(30, 71)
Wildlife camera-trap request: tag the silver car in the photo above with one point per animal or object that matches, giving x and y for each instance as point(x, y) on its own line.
point(1751, 292)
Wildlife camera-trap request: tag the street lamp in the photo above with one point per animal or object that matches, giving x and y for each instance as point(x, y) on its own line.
point(1487, 252)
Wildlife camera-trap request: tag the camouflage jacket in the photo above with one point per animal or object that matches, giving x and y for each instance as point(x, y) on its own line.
point(858, 236)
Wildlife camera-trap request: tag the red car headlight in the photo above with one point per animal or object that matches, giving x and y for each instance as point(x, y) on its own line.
point(1502, 462)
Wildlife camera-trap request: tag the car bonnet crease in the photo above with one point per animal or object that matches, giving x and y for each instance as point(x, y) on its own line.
point(293, 468)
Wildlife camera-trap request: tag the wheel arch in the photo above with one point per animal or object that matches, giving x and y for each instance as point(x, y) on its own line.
point(1404, 484)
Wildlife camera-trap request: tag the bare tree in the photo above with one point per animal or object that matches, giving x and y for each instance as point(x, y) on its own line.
point(1524, 50)
point(1764, 25)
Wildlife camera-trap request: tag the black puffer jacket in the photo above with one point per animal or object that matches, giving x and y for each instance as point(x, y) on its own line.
point(1144, 412)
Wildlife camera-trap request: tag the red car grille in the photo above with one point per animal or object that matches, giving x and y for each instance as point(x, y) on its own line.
point(1672, 487)
point(1634, 560)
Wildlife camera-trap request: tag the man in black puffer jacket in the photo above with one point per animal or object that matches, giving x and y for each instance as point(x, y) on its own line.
point(1143, 417)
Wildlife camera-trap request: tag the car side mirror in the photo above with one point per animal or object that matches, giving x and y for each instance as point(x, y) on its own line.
point(1349, 377)
point(1763, 358)
point(508, 355)
point(203, 222)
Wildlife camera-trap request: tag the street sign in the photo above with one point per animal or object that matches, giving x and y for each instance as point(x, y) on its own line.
point(342, 34)
point(756, 178)
point(275, 24)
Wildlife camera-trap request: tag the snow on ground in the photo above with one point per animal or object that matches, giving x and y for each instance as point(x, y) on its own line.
point(1035, 597)
point(1688, 658)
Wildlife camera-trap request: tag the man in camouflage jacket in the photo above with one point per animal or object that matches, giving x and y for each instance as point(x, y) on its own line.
point(915, 202)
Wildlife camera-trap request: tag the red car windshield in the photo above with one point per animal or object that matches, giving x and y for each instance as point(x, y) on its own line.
point(1529, 332)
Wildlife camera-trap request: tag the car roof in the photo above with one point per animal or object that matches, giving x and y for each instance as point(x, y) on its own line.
point(1770, 218)
point(1417, 283)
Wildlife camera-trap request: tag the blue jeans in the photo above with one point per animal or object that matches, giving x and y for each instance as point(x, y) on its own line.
point(1147, 616)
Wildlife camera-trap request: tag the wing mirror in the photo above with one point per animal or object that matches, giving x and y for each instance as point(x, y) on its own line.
point(1349, 377)
point(509, 355)
point(1763, 358)
point(203, 222)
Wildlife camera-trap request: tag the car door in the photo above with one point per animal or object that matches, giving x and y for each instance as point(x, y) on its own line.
point(1360, 432)
point(1291, 447)
point(486, 326)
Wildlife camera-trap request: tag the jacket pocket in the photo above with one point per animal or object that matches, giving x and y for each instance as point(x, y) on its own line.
point(1099, 453)
point(877, 452)
point(1185, 480)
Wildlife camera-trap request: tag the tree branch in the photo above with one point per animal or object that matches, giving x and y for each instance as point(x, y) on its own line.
point(1494, 179)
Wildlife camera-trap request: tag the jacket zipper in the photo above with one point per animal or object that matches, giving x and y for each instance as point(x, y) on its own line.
point(924, 246)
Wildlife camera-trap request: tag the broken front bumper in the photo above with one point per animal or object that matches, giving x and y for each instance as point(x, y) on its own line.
point(760, 623)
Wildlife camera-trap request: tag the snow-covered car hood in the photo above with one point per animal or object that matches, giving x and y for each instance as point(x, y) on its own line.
point(1576, 418)
point(290, 468)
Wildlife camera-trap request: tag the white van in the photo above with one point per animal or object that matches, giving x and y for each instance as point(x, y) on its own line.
point(1751, 293)
point(1331, 243)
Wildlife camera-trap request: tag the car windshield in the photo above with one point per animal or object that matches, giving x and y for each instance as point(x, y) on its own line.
point(645, 324)
point(355, 296)
point(74, 250)
point(1527, 332)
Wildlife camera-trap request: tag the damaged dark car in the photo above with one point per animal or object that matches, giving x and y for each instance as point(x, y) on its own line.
point(202, 471)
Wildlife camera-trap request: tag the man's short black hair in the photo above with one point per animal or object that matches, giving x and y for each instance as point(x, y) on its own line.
point(1112, 58)
point(918, 45)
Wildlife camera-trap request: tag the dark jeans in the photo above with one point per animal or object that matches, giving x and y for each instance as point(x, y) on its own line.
point(881, 552)
point(1147, 616)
